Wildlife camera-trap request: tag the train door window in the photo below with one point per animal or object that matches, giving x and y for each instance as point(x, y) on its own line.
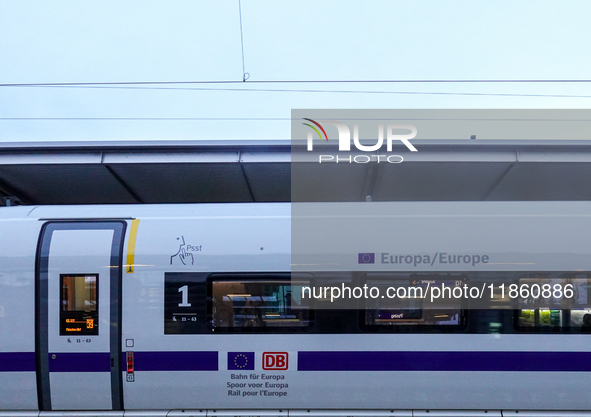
point(406, 308)
point(79, 304)
point(258, 305)
point(554, 304)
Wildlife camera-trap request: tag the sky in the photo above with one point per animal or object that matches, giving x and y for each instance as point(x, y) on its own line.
point(156, 41)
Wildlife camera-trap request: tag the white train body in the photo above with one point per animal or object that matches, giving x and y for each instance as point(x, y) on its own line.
point(46, 365)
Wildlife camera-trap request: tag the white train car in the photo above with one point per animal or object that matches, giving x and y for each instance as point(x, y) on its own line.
point(191, 310)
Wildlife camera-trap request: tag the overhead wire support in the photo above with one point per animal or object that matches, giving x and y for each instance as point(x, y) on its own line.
point(245, 75)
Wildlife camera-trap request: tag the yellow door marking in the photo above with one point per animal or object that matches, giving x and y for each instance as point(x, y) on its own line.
point(131, 246)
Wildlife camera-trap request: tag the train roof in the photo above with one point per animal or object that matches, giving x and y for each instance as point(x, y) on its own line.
point(284, 210)
point(131, 211)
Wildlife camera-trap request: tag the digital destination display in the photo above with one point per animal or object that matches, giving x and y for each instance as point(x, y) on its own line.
point(79, 305)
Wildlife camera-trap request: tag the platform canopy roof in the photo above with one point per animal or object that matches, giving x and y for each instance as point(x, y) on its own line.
point(247, 171)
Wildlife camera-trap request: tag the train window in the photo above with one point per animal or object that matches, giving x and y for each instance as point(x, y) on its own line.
point(79, 304)
point(581, 319)
point(405, 305)
point(554, 304)
point(258, 305)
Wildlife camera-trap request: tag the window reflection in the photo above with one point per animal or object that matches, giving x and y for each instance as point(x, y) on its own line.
point(409, 307)
point(258, 304)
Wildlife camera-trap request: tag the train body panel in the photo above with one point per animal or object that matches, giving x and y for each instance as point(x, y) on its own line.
point(514, 236)
point(152, 308)
point(247, 241)
point(19, 237)
point(362, 389)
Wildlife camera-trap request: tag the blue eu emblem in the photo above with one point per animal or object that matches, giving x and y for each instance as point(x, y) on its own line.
point(241, 361)
point(366, 258)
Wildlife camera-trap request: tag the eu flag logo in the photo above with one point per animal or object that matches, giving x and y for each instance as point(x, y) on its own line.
point(241, 361)
point(367, 258)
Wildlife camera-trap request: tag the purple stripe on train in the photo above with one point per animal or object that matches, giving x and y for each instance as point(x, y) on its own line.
point(17, 361)
point(175, 361)
point(79, 362)
point(445, 361)
point(319, 361)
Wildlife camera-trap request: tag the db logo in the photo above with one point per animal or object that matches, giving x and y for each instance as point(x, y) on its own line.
point(275, 361)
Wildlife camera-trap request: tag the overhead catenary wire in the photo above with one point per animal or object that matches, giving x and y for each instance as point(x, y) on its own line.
point(132, 87)
point(426, 81)
point(275, 119)
point(153, 118)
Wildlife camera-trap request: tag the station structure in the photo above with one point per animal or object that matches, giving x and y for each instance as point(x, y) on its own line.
point(148, 172)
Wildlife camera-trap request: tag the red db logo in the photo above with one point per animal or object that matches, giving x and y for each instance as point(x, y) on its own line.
point(276, 361)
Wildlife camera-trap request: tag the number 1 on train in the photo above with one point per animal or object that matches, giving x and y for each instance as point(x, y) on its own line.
point(185, 296)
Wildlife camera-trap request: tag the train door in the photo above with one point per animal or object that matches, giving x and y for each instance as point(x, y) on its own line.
point(79, 316)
